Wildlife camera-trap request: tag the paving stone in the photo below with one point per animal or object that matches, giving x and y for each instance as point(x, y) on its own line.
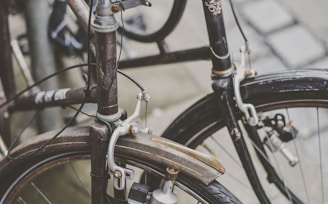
point(256, 43)
point(323, 63)
point(267, 16)
point(268, 64)
point(296, 46)
point(166, 85)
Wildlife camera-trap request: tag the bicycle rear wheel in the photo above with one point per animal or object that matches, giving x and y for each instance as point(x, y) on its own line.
point(60, 173)
point(147, 27)
point(287, 103)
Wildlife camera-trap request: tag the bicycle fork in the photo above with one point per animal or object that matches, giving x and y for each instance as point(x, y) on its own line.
point(223, 88)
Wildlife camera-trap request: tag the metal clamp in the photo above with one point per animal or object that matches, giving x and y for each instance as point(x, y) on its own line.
point(248, 109)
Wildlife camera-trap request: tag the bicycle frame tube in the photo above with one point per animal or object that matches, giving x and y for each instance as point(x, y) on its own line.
point(220, 54)
point(105, 27)
point(7, 86)
point(6, 71)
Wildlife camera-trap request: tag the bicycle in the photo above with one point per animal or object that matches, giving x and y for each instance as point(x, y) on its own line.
point(49, 151)
point(302, 88)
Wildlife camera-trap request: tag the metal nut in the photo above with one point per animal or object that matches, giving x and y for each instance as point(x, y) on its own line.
point(116, 8)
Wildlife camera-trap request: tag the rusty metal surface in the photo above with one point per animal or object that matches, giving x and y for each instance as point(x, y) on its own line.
point(106, 73)
point(171, 154)
point(141, 146)
point(99, 177)
point(207, 159)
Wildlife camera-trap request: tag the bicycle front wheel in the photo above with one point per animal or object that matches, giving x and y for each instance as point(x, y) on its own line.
point(290, 141)
point(60, 173)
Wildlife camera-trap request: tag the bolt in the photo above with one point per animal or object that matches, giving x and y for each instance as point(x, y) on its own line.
point(250, 73)
point(172, 173)
point(116, 8)
point(117, 174)
point(235, 132)
point(133, 130)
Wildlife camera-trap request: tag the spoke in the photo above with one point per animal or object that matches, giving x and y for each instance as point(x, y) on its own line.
point(300, 163)
point(320, 157)
point(214, 153)
point(238, 181)
point(80, 180)
point(145, 178)
point(225, 150)
point(261, 153)
point(21, 200)
point(40, 192)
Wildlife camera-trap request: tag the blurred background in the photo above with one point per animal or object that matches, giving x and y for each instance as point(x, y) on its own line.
point(283, 35)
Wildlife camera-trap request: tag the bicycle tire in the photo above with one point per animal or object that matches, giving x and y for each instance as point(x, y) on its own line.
point(161, 33)
point(16, 173)
point(284, 92)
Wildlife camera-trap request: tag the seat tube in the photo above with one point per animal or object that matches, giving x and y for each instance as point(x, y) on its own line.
point(220, 54)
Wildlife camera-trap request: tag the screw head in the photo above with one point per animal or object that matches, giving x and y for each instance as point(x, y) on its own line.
point(116, 8)
point(117, 174)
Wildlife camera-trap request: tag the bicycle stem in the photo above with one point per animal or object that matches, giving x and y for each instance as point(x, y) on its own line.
point(105, 27)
